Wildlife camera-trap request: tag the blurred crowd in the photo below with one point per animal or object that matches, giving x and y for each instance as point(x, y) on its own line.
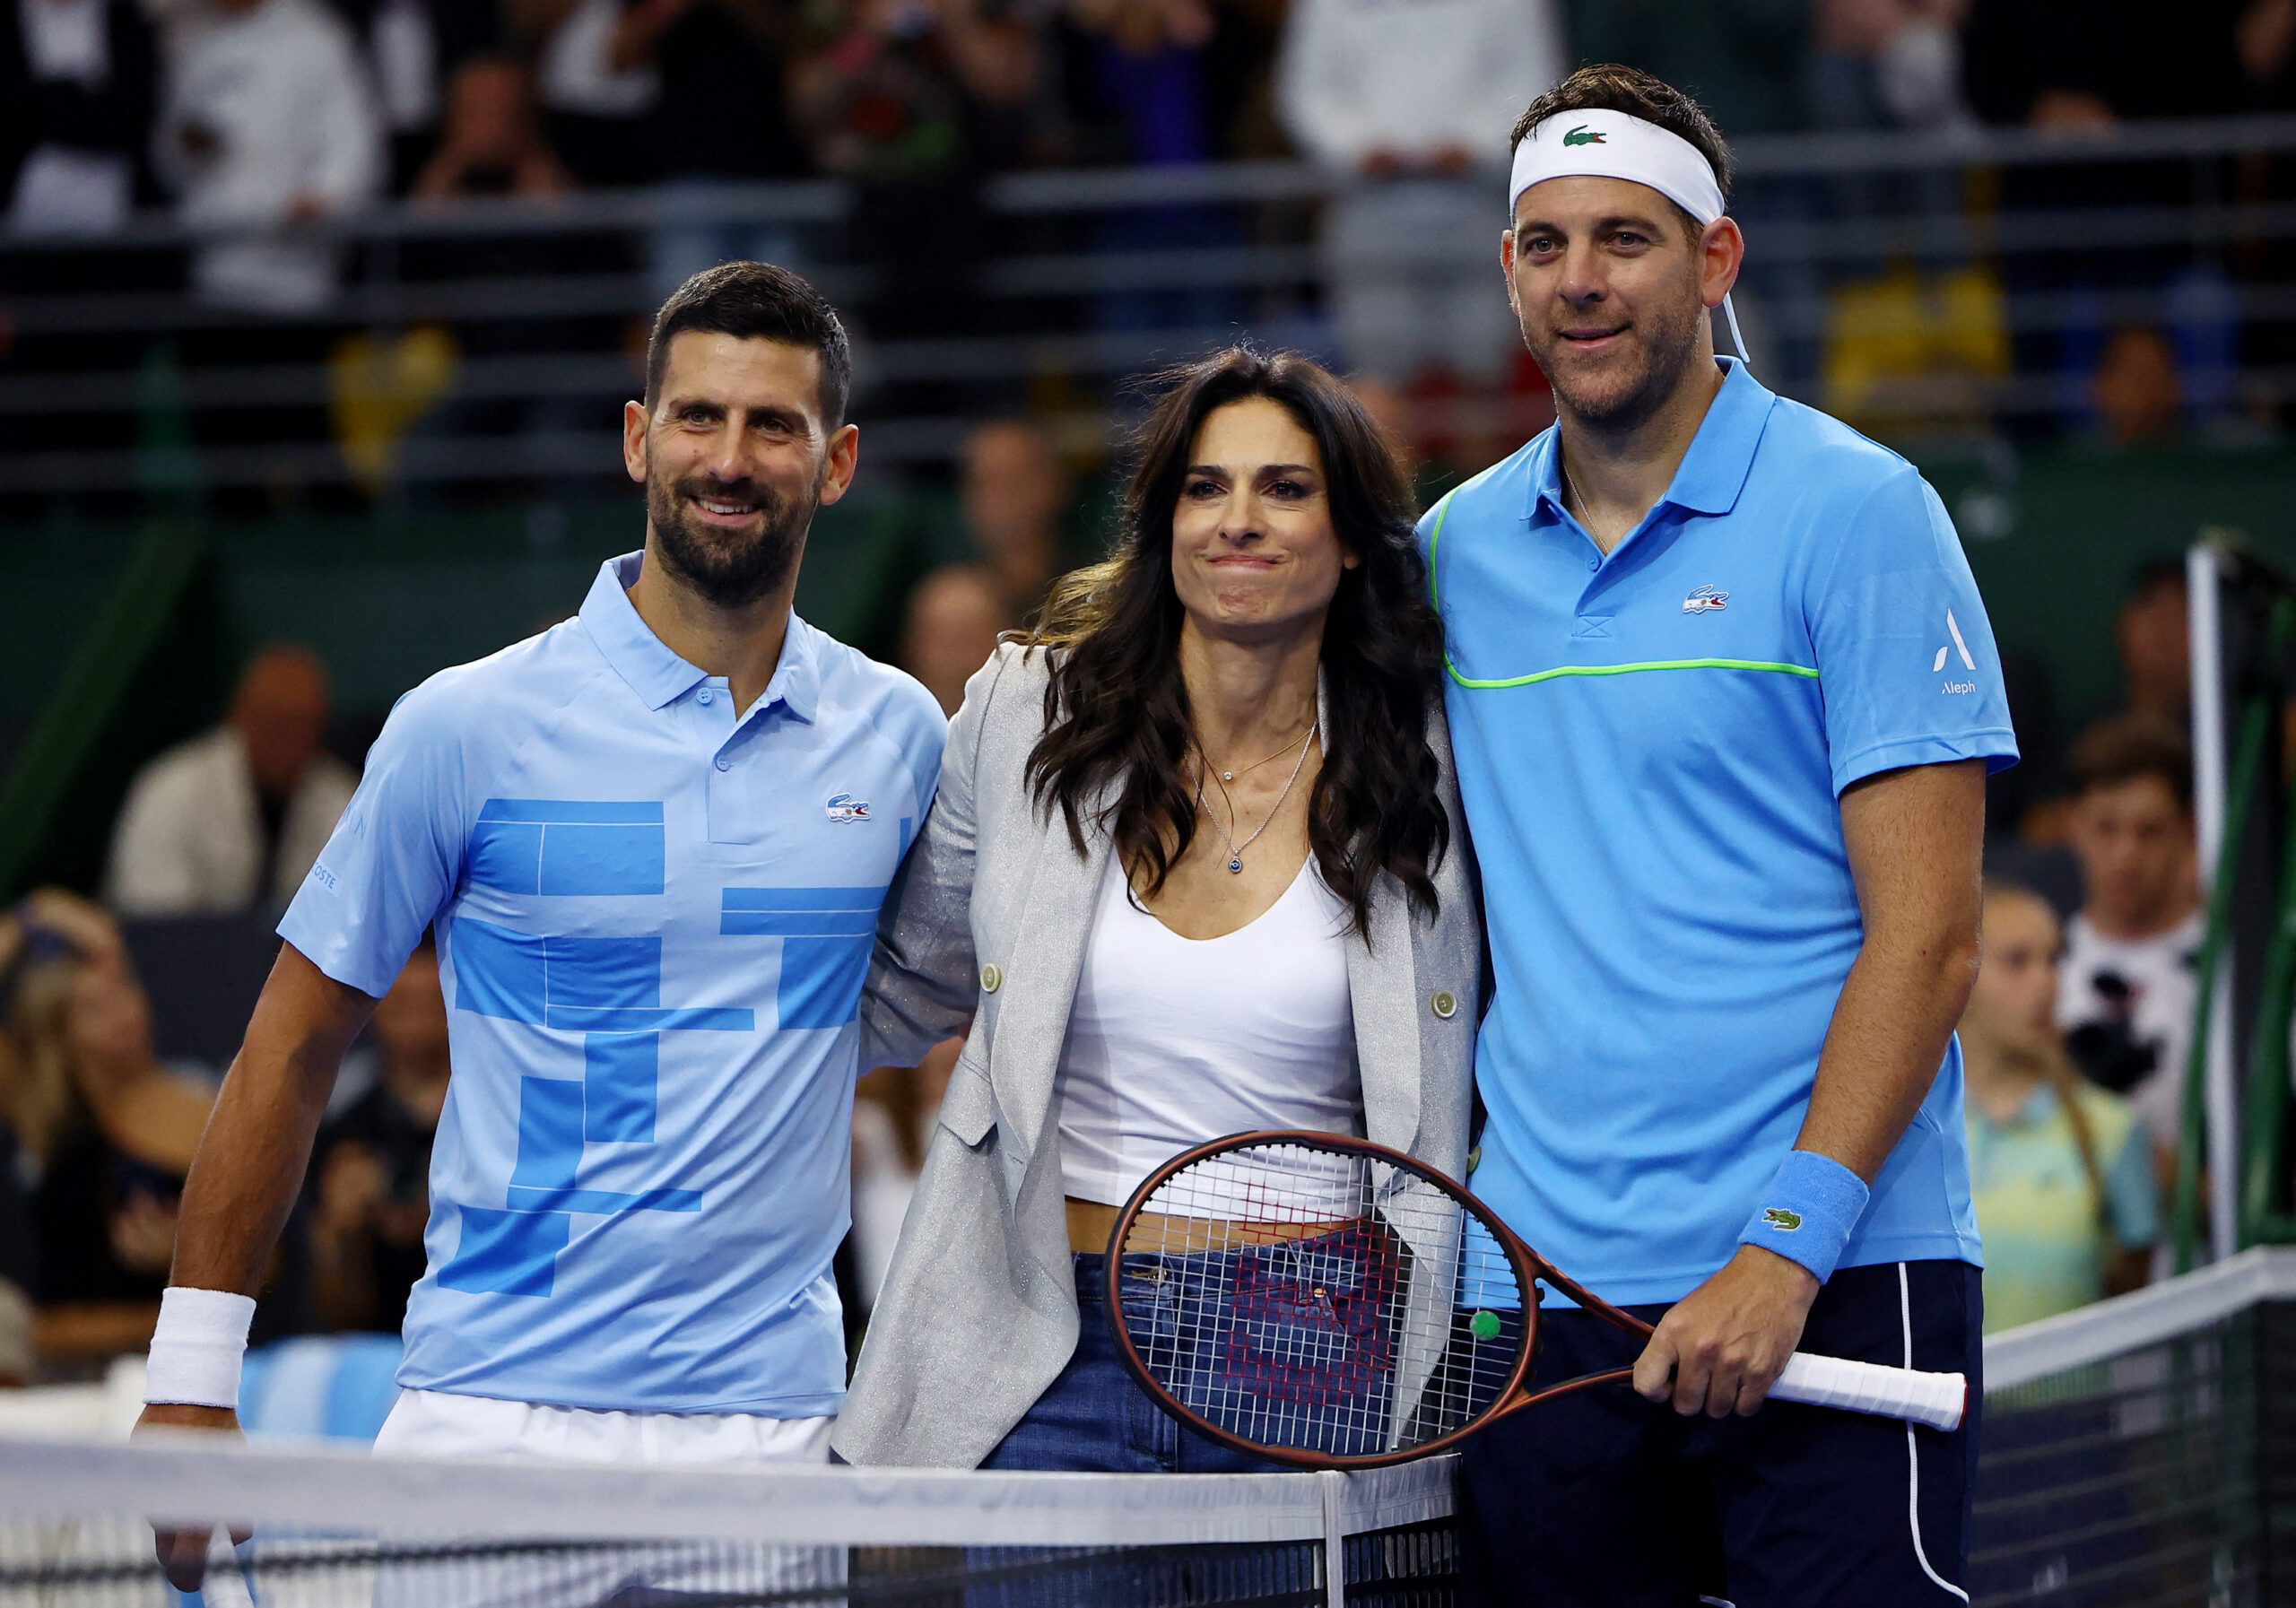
point(251, 109)
point(261, 113)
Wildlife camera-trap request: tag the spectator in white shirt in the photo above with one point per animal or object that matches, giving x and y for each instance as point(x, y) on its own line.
point(269, 121)
point(2126, 987)
point(76, 86)
point(233, 819)
point(1412, 100)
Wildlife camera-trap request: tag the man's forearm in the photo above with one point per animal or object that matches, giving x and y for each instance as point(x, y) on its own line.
point(251, 1159)
point(1917, 846)
point(1897, 1011)
point(1916, 840)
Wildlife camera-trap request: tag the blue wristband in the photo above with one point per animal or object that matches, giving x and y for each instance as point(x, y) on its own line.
point(1806, 1213)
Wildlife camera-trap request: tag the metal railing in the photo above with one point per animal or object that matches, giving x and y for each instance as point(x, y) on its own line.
point(111, 352)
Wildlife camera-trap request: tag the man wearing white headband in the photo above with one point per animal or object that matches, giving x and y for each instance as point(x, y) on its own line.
point(1724, 698)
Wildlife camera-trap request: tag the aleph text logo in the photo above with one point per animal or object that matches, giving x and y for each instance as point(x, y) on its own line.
point(1953, 630)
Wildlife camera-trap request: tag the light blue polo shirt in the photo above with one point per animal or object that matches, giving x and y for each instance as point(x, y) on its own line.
point(1651, 747)
point(655, 914)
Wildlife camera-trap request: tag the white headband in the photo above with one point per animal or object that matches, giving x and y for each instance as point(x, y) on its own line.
point(1608, 145)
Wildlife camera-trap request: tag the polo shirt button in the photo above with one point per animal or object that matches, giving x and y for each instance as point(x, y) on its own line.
point(1594, 563)
point(723, 763)
point(1446, 1004)
point(707, 696)
point(991, 979)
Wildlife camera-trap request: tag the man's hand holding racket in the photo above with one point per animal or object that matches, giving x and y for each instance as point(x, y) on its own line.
point(1720, 1347)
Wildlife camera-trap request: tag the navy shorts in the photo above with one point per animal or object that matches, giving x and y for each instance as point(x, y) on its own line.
point(1605, 1501)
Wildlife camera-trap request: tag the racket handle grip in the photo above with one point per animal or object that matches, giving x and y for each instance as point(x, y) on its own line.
point(1937, 1400)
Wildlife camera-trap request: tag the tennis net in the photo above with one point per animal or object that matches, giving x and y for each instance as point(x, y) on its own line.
point(338, 1528)
point(2143, 1451)
point(2137, 1454)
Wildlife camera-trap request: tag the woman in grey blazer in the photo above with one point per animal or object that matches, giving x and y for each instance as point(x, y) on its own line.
point(1196, 866)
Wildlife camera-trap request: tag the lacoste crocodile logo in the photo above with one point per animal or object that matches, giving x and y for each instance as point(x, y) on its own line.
point(1584, 135)
point(1779, 1217)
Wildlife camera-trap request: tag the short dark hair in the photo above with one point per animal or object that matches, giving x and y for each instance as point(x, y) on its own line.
point(1613, 88)
point(756, 301)
point(2129, 746)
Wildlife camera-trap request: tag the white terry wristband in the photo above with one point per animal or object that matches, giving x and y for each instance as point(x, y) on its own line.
point(197, 1349)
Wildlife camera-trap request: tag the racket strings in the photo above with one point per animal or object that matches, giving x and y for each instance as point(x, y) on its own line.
point(1318, 1300)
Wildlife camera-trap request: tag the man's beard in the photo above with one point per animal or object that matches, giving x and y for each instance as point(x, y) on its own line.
point(1669, 347)
point(731, 569)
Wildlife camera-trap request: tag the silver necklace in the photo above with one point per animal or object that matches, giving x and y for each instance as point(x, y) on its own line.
point(1585, 514)
point(1229, 776)
point(1236, 849)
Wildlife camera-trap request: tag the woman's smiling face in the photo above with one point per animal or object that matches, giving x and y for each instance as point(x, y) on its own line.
point(1254, 548)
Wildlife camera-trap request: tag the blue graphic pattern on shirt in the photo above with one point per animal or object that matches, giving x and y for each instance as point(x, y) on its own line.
point(640, 1176)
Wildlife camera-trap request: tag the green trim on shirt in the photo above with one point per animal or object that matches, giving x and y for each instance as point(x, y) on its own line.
point(1479, 683)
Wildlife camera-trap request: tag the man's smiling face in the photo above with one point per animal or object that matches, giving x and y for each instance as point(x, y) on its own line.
point(735, 456)
point(1607, 279)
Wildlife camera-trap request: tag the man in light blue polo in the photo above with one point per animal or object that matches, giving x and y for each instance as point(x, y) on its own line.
point(653, 840)
point(1724, 698)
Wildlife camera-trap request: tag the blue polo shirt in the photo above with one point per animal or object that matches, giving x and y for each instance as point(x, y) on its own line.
point(654, 913)
point(1651, 748)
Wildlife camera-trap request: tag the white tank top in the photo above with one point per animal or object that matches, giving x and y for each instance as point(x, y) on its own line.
point(1173, 1041)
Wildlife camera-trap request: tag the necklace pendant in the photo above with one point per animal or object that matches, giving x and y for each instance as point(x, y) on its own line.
point(1236, 864)
point(1226, 776)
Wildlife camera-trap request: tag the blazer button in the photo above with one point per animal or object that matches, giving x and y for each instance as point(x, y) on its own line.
point(1446, 1004)
point(991, 979)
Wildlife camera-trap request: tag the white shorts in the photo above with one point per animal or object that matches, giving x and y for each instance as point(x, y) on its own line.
point(434, 1423)
point(431, 1423)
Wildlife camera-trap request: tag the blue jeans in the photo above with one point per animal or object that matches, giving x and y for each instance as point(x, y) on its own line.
point(1094, 1418)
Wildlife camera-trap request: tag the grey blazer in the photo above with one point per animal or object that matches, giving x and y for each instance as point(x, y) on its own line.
point(987, 922)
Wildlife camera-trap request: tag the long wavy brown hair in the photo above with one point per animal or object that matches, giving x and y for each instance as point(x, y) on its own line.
point(1117, 709)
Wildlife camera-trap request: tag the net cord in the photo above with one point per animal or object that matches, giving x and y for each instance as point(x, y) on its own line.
point(187, 1477)
point(2144, 1318)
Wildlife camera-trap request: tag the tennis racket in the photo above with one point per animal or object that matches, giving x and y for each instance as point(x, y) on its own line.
point(1332, 1303)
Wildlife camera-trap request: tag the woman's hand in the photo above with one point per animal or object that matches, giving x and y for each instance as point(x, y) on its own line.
point(87, 927)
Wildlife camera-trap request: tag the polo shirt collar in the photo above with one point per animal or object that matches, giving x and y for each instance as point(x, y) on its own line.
point(661, 677)
point(1712, 473)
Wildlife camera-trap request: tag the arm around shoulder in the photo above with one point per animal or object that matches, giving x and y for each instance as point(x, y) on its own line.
point(921, 985)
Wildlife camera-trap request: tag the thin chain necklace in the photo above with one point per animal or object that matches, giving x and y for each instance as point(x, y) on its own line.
point(1236, 849)
point(1585, 514)
point(1229, 776)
